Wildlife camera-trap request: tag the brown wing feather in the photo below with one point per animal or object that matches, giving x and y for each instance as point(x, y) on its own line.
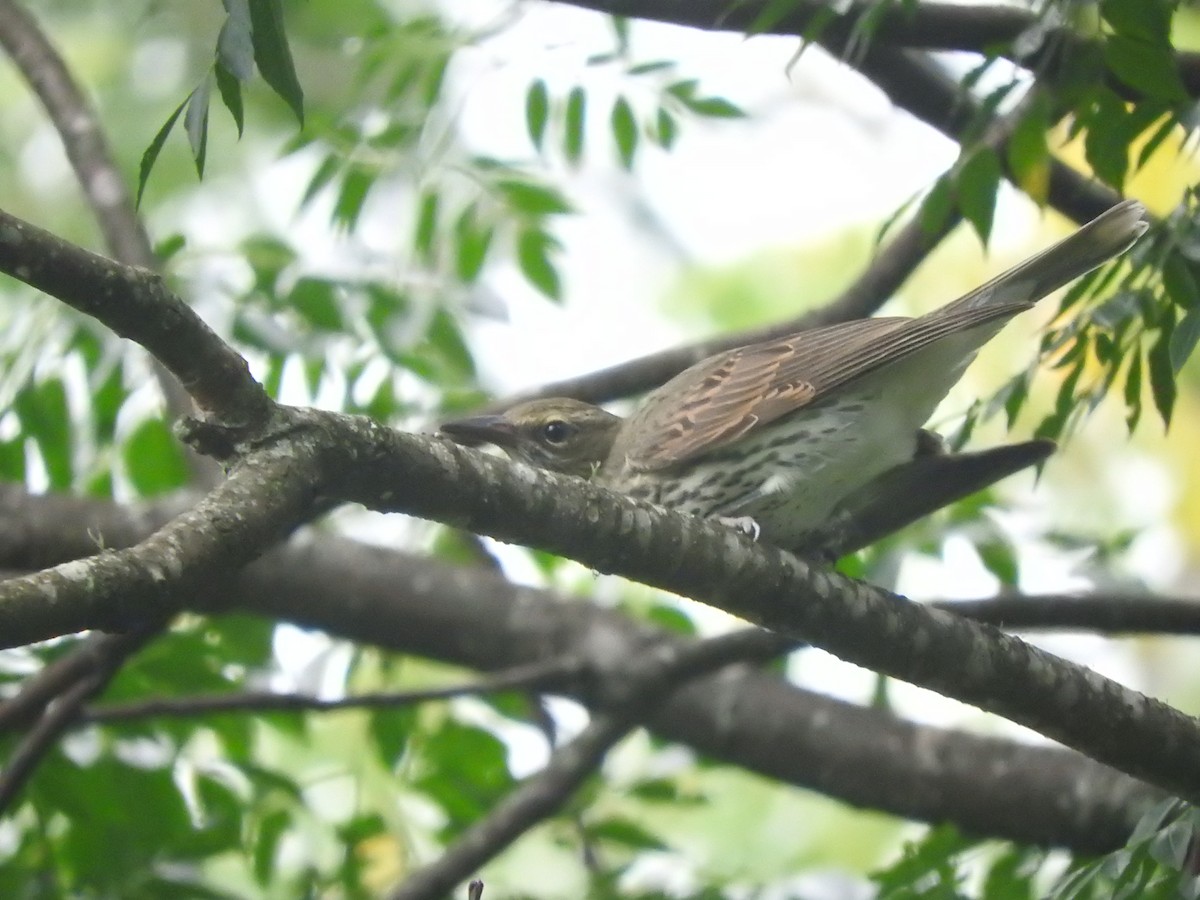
point(723, 398)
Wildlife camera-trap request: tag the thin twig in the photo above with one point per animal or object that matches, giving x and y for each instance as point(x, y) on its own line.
point(107, 659)
point(1098, 612)
point(39, 690)
point(543, 676)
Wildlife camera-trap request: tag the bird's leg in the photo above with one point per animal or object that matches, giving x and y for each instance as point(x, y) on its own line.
point(745, 524)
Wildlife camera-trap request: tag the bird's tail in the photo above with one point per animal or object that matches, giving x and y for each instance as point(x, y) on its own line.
point(1108, 235)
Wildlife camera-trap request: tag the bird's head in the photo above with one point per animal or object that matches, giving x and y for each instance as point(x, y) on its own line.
point(558, 434)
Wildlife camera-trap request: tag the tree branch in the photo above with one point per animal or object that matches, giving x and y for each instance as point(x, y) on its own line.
point(857, 622)
point(548, 676)
point(891, 267)
point(82, 135)
point(645, 678)
point(197, 552)
point(91, 158)
point(912, 82)
point(107, 657)
point(981, 29)
point(136, 304)
point(747, 718)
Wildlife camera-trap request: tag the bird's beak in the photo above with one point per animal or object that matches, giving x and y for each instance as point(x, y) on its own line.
point(478, 430)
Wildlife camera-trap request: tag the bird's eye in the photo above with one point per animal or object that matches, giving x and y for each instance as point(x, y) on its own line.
point(556, 432)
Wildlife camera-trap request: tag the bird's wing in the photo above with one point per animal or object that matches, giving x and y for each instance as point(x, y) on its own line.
point(723, 398)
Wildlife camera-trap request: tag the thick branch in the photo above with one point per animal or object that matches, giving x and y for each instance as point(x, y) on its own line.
point(985, 30)
point(862, 624)
point(198, 552)
point(747, 718)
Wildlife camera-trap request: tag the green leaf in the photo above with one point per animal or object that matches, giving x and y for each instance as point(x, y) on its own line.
point(1162, 371)
point(445, 337)
point(533, 199)
point(267, 258)
point(937, 206)
point(195, 123)
point(771, 14)
point(624, 832)
point(1017, 394)
point(46, 417)
point(1180, 281)
point(660, 65)
point(537, 111)
point(154, 461)
point(356, 184)
point(978, 180)
point(390, 730)
point(533, 256)
point(665, 129)
point(167, 248)
point(265, 842)
point(472, 240)
point(684, 89)
point(625, 131)
point(1150, 68)
point(999, 558)
point(427, 217)
point(714, 107)
point(1107, 151)
point(1133, 392)
point(1144, 20)
point(330, 166)
point(1028, 151)
point(273, 56)
point(235, 43)
point(1184, 338)
point(231, 95)
point(576, 115)
point(464, 770)
point(150, 156)
point(317, 303)
point(1166, 128)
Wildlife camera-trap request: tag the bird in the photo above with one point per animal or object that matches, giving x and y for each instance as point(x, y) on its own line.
point(789, 439)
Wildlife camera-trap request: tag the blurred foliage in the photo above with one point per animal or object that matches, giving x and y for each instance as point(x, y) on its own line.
point(421, 220)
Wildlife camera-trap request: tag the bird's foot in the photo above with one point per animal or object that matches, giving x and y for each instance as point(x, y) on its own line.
point(745, 524)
